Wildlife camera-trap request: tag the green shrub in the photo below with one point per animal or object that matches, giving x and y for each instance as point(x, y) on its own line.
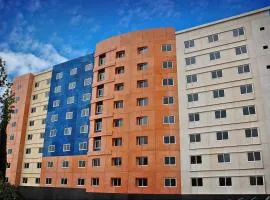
point(9, 192)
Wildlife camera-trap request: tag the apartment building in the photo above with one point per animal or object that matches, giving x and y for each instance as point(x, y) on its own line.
point(134, 132)
point(34, 137)
point(224, 90)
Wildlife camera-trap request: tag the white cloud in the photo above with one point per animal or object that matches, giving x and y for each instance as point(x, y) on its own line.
point(76, 19)
point(33, 5)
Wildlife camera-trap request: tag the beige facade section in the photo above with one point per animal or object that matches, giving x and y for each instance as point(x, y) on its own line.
point(240, 170)
point(32, 156)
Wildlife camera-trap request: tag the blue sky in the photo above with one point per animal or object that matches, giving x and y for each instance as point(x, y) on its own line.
point(36, 34)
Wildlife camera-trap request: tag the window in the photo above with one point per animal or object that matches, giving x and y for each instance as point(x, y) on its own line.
point(213, 38)
point(169, 139)
point(119, 104)
point(117, 122)
point(59, 75)
point(97, 144)
point(256, 180)
point(73, 71)
point(48, 181)
point(43, 121)
point(238, 32)
point(53, 133)
point(69, 115)
point(169, 119)
point(189, 44)
point(48, 81)
point(190, 60)
point(86, 97)
point(51, 148)
point(240, 50)
point(94, 181)
point(222, 135)
point(116, 161)
point(84, 129)
point(166, 47)
point(116, 182)
point(142, 84)
point(224, 158)
point(265, 46)
point(244, 89)
point(195, 159)
point(71, 85)
point(39, 165)
point(193, 97)
point(35, 97)
point(191, 78)
point(195, 182)
point(216, 74)
point(45, 107)
point(99, 107)
point(169, 160)
point(262, 28)
point(101, 75)
point(29, 137)
point(64, 181)
point(102, 59)
point(117, 142)
point(225, 181)
point(87, 81)
point(67, 131)
point(31, 123)
point(220, 114)
point(57, 89)
point(141, 182)
point(11, 137)
point(120, 70)
point(142, 120)
point(70, 100)
point(167, 82)
point(254, 156)
point(142, 101)
point(142, 140)
point(80, 181)
point(98, 125)
point(33, 110)
point(168, 100)
point(82, 146)
point(167, 64)
point(120, 54)
point(81, 163)
point(251, 132)
point(218, 93)
point(88, 67)
point(26, 165)
point(17, 99)
point(46, 94)
point(28, 151)
point(65, 164)
point(119, 87)
point(194, 117)
point(13, 124)
point(49, 164)
point(9, 151)
point(142, 50)
point(243, 69)
point(25, 180)
point(85, 112)
point(56, 103)
point(95, 162)
point(40, 149)
point(142, 66)
point(143, 160)
point(66, 147)
point(54, 118)
point(8, 165)
point(214, 55)
point(37, 180)
point(249, 110)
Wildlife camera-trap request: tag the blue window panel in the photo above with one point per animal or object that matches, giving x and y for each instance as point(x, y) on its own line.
point(76, 137)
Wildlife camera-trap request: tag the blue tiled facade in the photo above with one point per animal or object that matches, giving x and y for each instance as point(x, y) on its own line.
point(55, 138)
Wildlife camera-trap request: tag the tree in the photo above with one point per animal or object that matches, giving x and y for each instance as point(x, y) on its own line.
point(6, 101)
